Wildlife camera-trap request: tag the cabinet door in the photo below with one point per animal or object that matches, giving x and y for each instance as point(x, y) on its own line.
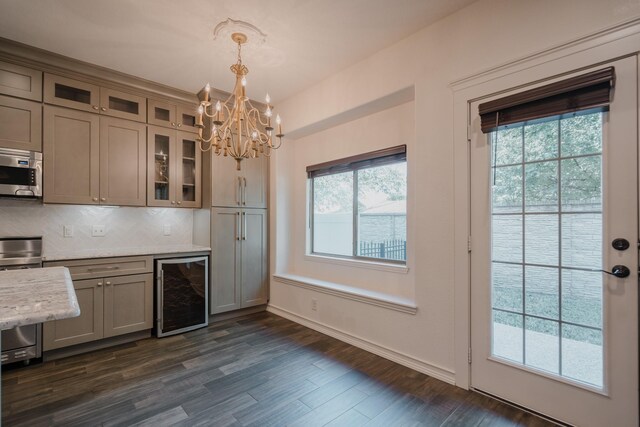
point(128, 304)
point(186, 118)
point(84, 328)
point(71, 93)
point(161, 167)
point(255, 176)
point(123, 162)
point(254, 273)
point(20, 81)
point(124, 105)
point(188, 171)
point(225, 262)
point(161, 113)
point(20, 124)
point(71, 156)
point(226, 184)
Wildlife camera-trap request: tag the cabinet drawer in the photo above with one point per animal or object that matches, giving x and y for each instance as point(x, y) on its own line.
point(20, 81)
point(106, 267)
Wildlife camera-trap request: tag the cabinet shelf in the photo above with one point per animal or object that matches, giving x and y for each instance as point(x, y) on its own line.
point(162, 182)
point(192, 159)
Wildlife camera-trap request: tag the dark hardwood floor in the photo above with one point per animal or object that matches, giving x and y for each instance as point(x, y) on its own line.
point(259, 370)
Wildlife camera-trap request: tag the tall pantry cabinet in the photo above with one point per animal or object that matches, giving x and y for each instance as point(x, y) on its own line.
point(239, 242)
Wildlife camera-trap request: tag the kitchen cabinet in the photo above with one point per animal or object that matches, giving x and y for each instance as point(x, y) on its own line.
point(174, 168)
point(175, 116)
point(20, 124)
point(84, 96)
point(239, 274)
point(110, 304)
point(21, 82)
point(246, 188)
point(93, 160)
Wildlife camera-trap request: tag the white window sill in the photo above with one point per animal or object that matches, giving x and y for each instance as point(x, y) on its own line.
point(391, 302)
point(373, 265)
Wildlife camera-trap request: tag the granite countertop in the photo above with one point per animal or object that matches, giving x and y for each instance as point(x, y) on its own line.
point(117, 252)
point(35, 296)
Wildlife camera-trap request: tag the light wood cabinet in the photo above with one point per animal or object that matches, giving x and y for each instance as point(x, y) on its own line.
point(19, 81)
point(239, 275)
point(89, 97)
point(174, 169)
point(110, 304)
point(20, 124)
point(93, 160)
point(175, 116)
point(245, 188)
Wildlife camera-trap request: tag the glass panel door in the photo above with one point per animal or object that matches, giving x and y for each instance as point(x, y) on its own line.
point(162, 169)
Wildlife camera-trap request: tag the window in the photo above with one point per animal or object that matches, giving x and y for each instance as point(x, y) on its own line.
point(358, 206)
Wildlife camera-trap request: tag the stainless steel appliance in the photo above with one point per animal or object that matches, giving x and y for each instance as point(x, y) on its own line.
point(23, 342)
point(20, 173)
point(182, 294)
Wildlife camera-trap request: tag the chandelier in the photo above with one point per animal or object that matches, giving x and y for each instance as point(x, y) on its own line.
point(237, 129)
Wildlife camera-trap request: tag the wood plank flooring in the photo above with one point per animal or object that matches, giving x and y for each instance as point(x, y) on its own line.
point(259, 370)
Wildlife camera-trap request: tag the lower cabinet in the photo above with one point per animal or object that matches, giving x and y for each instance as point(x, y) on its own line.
point(109, 306)
point(239, 275)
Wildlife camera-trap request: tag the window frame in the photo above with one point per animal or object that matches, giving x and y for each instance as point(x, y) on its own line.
point(353, 164)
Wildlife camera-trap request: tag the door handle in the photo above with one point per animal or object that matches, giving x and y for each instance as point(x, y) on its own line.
point(244, 226)
point(620, 271)
point(238, 230)
point(244, 191)
point(239, 191)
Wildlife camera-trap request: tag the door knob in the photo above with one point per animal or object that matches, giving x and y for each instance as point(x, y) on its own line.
point(620, 244)
point(620, 271)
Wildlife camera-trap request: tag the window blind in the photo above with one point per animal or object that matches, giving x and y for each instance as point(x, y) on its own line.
point(360, 161)
point(588, 91)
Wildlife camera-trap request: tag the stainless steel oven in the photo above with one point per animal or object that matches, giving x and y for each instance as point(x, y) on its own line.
point(20, 173)
point(23, 342)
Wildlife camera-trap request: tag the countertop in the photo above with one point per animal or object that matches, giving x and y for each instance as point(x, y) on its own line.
point(35, 296)
point(118, 252)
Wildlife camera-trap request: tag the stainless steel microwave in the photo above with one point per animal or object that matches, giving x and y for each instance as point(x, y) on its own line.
point(20, 173)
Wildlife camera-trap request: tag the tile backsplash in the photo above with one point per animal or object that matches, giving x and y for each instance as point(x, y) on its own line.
point(126, 227)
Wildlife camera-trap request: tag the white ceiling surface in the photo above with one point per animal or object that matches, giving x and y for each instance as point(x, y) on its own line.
point(171, 42)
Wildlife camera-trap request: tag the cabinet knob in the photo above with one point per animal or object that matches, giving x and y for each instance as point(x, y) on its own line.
point(99, 284)
point(95, 199)
point(173, 124)
point(179, 203)
point(173, 202)
point(103, 199)
point(179, 125)
point(107, 283)
point(95, 107)
point(103, 108)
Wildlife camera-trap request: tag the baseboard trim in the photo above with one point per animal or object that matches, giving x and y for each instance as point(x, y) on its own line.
point(434, 371)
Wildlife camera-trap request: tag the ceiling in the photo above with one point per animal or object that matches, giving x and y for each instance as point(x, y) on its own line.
point(172, 42)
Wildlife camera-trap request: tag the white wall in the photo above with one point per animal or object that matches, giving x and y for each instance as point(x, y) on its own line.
point(126, 227)
point(484, 35)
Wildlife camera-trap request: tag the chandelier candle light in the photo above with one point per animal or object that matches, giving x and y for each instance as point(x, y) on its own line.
point(235, 123)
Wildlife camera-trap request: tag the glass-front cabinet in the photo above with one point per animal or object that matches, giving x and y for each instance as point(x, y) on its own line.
point(174, 169)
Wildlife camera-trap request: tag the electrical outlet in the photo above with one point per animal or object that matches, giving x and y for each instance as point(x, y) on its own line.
point(167, 230)
point(67, 230)
point(314, 304)
point(98, 231)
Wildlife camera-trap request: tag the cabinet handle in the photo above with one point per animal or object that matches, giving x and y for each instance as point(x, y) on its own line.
point(103, 108)
point(95, 107)
point(96, 269)
point(99, 284)
point(244, 226)
point(239, 191)
point(95, 199)
point(103, 199)
point(244, 191)
point(238, 231)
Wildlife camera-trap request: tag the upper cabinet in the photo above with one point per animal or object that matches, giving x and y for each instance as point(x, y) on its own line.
point(84, 96)
point(21, 82)
point(174, 169)
point(175, 116)
point(244, 188)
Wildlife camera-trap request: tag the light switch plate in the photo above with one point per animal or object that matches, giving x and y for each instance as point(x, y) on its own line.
point(98, 231)
point(167, 230)
point(67, 230)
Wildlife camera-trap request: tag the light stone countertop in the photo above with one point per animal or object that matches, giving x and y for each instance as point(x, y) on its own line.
point(36, 295)
point(118, 252)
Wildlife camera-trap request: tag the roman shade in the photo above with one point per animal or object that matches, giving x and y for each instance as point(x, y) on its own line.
point(360, 161)
point(584, 92)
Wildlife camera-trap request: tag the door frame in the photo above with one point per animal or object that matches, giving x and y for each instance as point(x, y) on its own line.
point(537, 69)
